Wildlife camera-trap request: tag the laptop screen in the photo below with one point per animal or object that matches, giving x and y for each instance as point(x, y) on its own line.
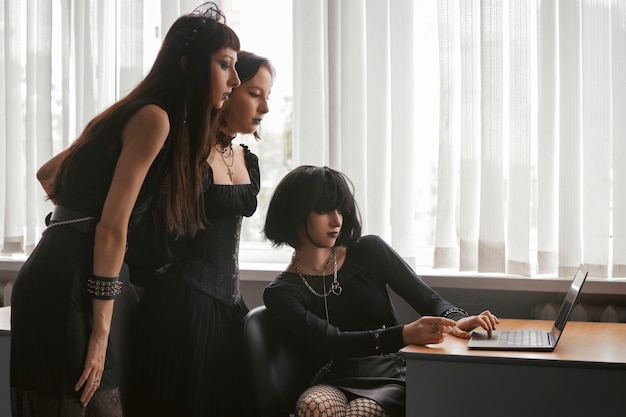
point(568, 303)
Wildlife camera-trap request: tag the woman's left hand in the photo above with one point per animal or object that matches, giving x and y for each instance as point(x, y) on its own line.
point(464, 326)
point(89, 381)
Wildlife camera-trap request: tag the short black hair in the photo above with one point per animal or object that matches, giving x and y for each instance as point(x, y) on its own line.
point(307, 189)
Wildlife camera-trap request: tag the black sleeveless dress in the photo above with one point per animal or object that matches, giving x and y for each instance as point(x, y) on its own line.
point(189, 348)
point(51, 312)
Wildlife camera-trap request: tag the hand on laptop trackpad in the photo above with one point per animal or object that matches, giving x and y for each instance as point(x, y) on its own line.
point(482, 335)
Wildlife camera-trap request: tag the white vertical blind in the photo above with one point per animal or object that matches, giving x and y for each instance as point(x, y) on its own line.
point(310, 87)
point(519, 140)
point(487, 132)
point(131, 51)
point(596, 117)
point(333, 111)
point(14, 69)
point(353, 136)
point(370, 131)
point(550, 91)
point(571, 164)
point(38, 112)
point(379, 38)
point(491, 249)
point(547, 137)
point(446, 252)
point(3, 137)
point(404, 154)
point(470, 134)
point(63, 61)
point(618, 131)
point(59, 68)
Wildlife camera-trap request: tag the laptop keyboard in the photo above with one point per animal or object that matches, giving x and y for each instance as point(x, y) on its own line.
point(521, 338)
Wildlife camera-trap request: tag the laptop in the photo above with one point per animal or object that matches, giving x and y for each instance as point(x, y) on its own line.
point(532, 340)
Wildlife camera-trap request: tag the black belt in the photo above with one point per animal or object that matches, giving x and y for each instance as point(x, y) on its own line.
point(62, 216)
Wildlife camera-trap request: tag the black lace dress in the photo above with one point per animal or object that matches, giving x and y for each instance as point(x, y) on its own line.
point(51, 312)
point(188, 352)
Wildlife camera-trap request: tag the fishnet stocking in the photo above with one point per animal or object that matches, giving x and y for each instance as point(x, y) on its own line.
point(364, 407)
point(327, 401)
point(321, 401)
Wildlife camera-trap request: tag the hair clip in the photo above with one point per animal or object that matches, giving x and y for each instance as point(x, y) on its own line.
point(211, 11)
point(205, 12)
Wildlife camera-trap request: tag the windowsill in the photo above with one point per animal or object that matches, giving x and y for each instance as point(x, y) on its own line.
point(474, 281)
point(11, 263)
point(266, 271)
point(504, 282)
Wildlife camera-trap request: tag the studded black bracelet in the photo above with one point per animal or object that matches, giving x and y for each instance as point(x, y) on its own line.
point(452, 311)
point(104, 288)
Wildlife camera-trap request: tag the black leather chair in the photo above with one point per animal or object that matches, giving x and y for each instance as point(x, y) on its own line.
point(281, 370)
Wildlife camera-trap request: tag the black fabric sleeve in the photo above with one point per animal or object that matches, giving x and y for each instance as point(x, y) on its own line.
point(406, 283)
point(287, 304)
point(370, 268)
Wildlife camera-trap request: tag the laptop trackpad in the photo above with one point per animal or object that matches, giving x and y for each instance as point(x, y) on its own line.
point(481, 335)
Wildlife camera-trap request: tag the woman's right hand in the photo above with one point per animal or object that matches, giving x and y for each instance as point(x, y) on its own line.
point(427, 330)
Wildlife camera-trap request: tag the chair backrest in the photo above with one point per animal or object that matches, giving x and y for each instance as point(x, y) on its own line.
point(280, 368)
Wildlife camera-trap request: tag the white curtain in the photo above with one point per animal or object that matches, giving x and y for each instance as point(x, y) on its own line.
point(529, 173)
point(618, 133)
point(541, 90)
point(354, 101)
point(61, 62)
point(484, 133)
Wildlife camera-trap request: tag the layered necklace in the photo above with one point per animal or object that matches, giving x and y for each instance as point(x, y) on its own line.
point(228, 157)
point(224, 147)
point(335, 287)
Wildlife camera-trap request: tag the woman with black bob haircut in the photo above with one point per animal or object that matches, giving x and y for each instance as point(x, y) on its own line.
point(309, 189)
point(333, 299)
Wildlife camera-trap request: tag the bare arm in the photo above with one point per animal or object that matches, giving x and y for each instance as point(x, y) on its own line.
point(142, 139)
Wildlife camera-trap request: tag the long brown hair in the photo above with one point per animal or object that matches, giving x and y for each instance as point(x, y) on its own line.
point(186, 96)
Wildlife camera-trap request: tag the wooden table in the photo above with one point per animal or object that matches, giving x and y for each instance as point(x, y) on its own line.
point(584, 376)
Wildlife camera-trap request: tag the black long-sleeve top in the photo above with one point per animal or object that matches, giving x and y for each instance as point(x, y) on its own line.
point(362, 320)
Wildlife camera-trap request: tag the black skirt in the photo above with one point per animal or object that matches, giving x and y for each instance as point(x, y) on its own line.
point(188, 355)
point(51, 322)
point(380, 378)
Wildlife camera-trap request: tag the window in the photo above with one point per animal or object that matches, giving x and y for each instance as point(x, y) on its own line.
point(104, 56)
point(265, 28)
point(480, 135)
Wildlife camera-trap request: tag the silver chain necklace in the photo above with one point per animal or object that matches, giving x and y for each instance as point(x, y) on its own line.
point(335, 287)
point(228, 157)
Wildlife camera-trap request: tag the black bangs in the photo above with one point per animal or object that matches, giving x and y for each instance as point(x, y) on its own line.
point(231, 40)
point(331, 193)
point(201, 35)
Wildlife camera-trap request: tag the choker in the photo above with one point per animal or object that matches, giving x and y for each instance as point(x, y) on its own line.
point(223, 139)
